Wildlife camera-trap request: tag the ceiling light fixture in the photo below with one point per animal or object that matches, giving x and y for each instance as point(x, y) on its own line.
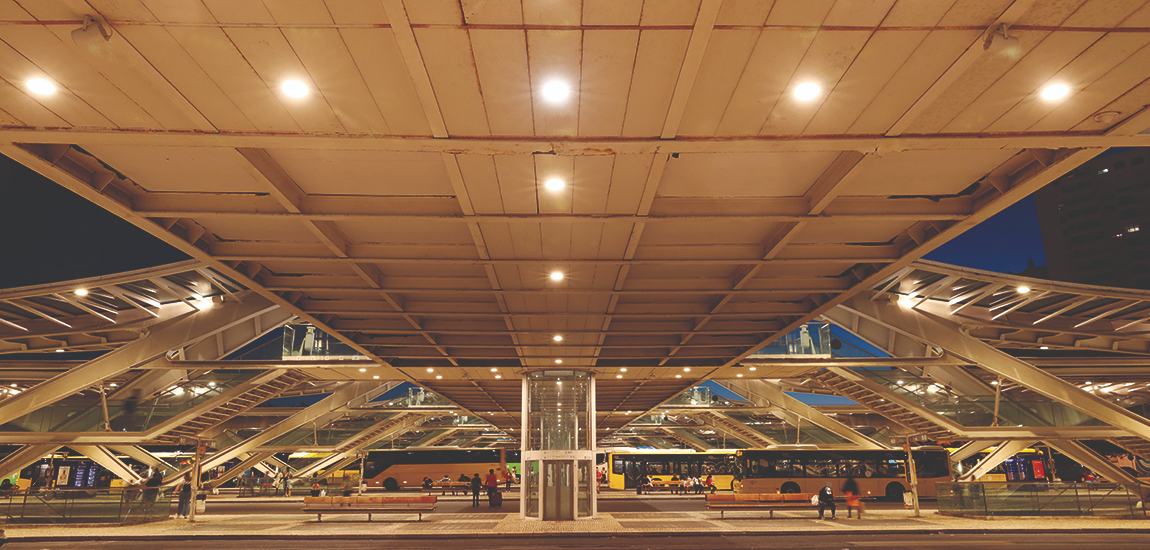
point(81, 292)
point(494, 369)
point(430, 370)
point(498, 376)
point(558, 361)
point(997, 41)
point(678, 376)
point(362, 370)
point(439, 377)
point(754, 368)
point(59, 351)
point(1055, 91)
point(1024, 289)
point(686, 369)
point(376, 377)
point(554, 184)
point(555, 91)
point(807, 91)
point(618, 376)
point(624, 369)
point(294, 88)
point(738, 376)
point(40, 86)
point(557, 338)
point(556, 276)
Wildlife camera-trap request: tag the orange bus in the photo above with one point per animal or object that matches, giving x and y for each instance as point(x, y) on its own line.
point(878, 473)
point(395, 470)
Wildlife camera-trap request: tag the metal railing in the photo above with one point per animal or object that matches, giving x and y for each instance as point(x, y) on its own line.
point(1038, 499)
point(57, 506)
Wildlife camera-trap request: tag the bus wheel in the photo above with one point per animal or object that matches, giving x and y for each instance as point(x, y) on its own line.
point(789, 487)
point(390, 484)
point(894, 492)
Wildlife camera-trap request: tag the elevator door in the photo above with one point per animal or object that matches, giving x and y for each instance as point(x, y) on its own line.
point(558, 490)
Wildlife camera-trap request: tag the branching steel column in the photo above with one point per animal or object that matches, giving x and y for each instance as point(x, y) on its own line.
point(23, 457)
point(930, 323)
point(1005, 450)
point(765, 394)
point(168, 335)
point(252, 460)
point(349, 395)
point(105, 457)
point(1100, 464)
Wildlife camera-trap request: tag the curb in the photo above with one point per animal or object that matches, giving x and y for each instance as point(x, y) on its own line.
point(602, 534)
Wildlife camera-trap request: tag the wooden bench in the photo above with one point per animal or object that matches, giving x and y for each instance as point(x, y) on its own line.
point(464, 486)
point(369, 505)
point(769, 501)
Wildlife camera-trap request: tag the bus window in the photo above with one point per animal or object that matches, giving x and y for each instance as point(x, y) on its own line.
point(617, 465)
point(853, 468)
point(658, 469)
point(821, 467)
point(789, 468)
point(891, 468)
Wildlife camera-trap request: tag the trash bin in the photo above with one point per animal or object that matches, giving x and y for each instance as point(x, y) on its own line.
point(201, 503)
point(908, 499)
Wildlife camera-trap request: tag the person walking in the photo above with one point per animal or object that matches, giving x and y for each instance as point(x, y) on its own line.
point(826, 500)
point(476, 483)
point(711, 483)
point(508, 478)
point(854, 501)
point(184, 489)
point(152, 491)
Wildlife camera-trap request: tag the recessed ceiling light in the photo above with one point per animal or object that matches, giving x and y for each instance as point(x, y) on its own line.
point(212, 384)
point(557, 338)
point(618, 376)
point(686, 369)
point(376, 377)
point(362, 370)
point(1044, 347)
point(1024, 289)
point(678, 376)
point(807, 91)
point(558, 361)
point(738, 376)
point(294, 88)
point(556, 276)
point(1055, 91)
point(81, 292)
point(554, 184)
point(430, 370)
point(754, 368)
point(40, 86)
point(494, 369)
point(556, 91)
point(59, 351)
point(113, 384)
point(624, 369)
point(439, 377)
point(498, 376)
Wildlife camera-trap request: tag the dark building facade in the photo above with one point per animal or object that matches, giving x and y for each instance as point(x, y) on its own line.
point(1095, 222)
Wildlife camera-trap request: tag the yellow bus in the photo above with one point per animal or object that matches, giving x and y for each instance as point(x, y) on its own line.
point(626, 469)
point(878, 473)
point(395, 470)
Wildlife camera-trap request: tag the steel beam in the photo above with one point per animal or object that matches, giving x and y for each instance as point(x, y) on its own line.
point(252, 460)
point(764, 393)
point(23, 457)
point(107, 458)
point(348, 395)
point(1101, 465)
point(1005, 450)
point(972, 448)
point(177, 332)
point(139, 453)
point(687, 438)
point(931, 323)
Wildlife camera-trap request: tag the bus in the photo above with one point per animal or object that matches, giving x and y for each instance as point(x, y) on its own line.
point(878, 473)
point(395, 470)
point(626, 469)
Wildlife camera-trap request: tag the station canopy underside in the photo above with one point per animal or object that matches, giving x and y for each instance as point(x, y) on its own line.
point(438, 205)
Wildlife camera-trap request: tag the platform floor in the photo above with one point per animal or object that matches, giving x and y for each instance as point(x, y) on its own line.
point(282, 518)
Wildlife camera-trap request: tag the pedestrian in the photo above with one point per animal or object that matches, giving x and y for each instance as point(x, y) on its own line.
point(476, 483)
point(492, 485)
point(854, 502)
point(152, 491)
point(508, 477)
point(675, 482)
point(184, 489)
point(711, 483)
point(315, 488)
point(826, 499)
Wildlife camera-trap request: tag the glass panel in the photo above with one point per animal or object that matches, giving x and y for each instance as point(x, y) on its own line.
point(131, 504)
point(531, 485)
point(558, 416)
point(1037, 499)
point(585, 490)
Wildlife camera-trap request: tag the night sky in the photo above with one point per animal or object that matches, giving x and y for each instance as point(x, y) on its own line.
point(54, 235)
